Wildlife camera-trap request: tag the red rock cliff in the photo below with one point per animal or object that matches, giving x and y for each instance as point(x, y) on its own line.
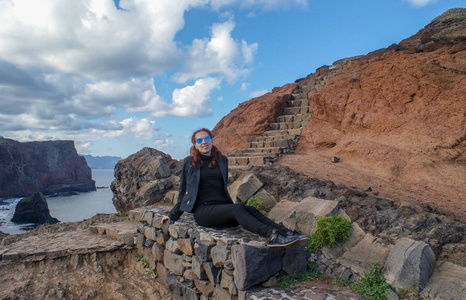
point(47, 167)
point(396, 117)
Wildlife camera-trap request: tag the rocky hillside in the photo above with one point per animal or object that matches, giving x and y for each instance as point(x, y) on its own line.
point(48, 167)
point(396, 117)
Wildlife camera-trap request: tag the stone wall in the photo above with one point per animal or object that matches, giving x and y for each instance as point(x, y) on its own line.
point(229, 263)
point(194, 260)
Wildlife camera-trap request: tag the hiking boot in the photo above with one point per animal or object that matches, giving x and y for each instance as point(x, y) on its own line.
point(303, 240)
point(276, 239)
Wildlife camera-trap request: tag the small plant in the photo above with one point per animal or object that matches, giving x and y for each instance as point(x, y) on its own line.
point(373, 284)
point(128, 219)
point(290, 279)
point(312, 272)
point(258, 203)
point(286, 280)
point(342, 282)
point(329, 231)
point(408, 294)
point(146, 265)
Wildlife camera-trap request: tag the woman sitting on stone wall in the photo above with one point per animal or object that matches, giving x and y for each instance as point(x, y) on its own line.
point(203, 192)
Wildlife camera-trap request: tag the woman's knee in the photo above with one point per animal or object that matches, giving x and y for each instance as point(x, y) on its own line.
point(251, 209)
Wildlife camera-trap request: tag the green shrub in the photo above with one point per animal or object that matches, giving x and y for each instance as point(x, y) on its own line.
point(258, 203)
point(372, 285)
point(329, 231)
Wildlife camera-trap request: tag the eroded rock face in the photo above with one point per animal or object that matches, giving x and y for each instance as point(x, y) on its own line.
point(396, 114)
point(48, 167)
point(33, 209)
point(143, 179)
point(400, 112)
point(250, 119)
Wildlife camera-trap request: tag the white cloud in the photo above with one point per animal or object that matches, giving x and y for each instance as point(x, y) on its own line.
point(83, 69)
point(421, 3)
point(191, 101)
point(164, 143)
point(258, 93)
point(92, 37)
point(244, 86)
point(221, 54)
point(220, 99)
point(83, 147)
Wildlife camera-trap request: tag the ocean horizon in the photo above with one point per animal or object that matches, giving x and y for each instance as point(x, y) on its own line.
point(66, 208)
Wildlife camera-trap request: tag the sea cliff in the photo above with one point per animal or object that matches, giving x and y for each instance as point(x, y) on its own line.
point(48, 167)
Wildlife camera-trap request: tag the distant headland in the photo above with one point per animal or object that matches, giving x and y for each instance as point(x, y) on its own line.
point(47, 166)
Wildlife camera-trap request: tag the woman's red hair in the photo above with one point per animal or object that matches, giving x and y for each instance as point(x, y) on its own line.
point(197, 161)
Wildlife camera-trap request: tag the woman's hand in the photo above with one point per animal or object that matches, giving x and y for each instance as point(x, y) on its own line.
point(164, 218)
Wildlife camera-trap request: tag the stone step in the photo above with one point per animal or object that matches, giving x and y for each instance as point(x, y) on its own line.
point(294, 103)
point(262, 151)
point(285, 125)
point(255, 154)
point(296, 110)
point(298, 103)
point(298, 96)
point(273, 138)
point(271, 144)
point(292, 132)
point(294, 118)
point(251, 160)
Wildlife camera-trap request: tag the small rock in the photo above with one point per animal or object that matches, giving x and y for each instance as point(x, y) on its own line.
point(334, 159)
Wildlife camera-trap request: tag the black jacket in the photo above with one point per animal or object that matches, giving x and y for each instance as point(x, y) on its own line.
point(189, 186)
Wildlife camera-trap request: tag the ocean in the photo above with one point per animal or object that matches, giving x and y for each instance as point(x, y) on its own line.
point(66, 208)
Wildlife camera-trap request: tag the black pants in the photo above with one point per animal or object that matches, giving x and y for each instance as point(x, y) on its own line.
point(228, 215)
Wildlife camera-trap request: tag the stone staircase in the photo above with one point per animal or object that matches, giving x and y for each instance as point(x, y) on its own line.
point(283, 135)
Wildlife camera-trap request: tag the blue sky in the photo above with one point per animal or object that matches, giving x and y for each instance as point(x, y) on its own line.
point(119, 77)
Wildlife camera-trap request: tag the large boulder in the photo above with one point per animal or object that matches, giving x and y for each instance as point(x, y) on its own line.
point(33, 209)
point(409, 264)
point(254, 264)
point(302, 216)
point(143, 179)
point(447, 282)
point(48, 167)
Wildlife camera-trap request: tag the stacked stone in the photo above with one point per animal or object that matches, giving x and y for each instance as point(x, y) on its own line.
point(198, 263)
point(284, 134)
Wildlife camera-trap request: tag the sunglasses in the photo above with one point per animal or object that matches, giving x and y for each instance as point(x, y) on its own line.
point(206, 139)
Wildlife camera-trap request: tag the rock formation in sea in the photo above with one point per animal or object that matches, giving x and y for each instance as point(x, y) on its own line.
point(48, 167)
point(33, 209)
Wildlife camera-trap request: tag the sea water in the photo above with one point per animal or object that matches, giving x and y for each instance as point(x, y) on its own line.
point(66, 208)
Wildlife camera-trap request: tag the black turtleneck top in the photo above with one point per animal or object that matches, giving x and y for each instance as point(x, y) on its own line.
point(211, 188)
